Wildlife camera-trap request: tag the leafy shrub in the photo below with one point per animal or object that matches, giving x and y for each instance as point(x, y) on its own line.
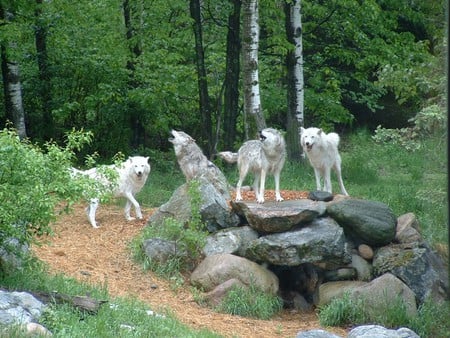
point(429, 121)
point(250, 302)
point(33, 181)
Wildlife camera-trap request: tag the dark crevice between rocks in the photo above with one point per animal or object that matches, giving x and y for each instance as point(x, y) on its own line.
point(298, 285)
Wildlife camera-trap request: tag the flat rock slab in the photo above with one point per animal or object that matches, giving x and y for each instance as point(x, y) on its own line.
point(274, 217)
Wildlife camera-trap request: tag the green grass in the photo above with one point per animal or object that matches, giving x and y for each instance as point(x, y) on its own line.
point(250, 302)
point(119, 317)
point(431, 321)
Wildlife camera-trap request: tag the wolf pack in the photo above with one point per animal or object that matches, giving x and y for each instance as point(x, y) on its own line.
point(260, 157)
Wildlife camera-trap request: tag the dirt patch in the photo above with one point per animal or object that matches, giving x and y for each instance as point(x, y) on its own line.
point(101, 257)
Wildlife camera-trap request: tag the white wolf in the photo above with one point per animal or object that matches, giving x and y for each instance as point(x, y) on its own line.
point(131, 177)
point(323, 154)
point(264, 156)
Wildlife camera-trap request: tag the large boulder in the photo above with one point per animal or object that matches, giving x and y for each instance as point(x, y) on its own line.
point(214, 209)
point(217, 269)
point(382, 292)
point(322, 241)
point(374, 331)
point(367, 222)
point(418, 266)
point(19, 308)
point(232, 240)
point(333, 290)
point(272, 217)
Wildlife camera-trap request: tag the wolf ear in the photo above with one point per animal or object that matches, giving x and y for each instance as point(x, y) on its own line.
point(302, 130)
point(320, 131)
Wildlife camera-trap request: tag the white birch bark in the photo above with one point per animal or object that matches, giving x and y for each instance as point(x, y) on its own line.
point(252, 98)
point(14, 90)
point(296, 22)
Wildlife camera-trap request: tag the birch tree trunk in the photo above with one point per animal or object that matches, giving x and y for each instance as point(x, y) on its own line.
point(295, 93)
point(205, 106)
point(250, 37)
point(13, 93)
point(231, 95)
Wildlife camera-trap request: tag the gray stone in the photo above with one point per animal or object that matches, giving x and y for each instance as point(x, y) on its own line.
point(377, 331)
point(214, 209)
point(231, 240)
point(382, 292)
point(322, 241)
point(316, 334)
point(319, 195)
point(272, 217)
point(365, 252)
point(341, 274)
point(408, 229)
point(367, 222)
point(215, 296)
point(19, 308)
point(362, 267)
point(419, 267)
point(161, 250)
point(217, 269)
point(332, 290)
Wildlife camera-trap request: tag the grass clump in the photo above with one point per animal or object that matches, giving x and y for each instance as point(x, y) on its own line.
point(189, 239)
point(431, 319)
point(250, 302)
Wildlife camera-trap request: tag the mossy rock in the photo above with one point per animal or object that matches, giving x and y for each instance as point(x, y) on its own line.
point(367, 222)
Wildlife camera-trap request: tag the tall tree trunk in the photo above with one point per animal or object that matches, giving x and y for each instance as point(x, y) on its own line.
point(13, 93)
point(295, 92)
point(250, 38)
point(40, 33)
point(205, 106)
point(131, 14)
point(11, 85)
point(231, 97)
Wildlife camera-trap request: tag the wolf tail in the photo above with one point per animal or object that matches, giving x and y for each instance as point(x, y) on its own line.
point(228, 156)
point(334, 138)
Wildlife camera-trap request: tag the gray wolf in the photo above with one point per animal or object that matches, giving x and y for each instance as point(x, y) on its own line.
point(194, 164)
point(261, 157)
point(123, 180)
point(323, 154)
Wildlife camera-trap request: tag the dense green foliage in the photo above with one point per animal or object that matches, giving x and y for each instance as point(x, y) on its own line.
point(366, 63)
point(33, 181)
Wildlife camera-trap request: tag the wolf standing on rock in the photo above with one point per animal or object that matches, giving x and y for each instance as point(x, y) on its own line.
point(264, 156)
point(323, 154)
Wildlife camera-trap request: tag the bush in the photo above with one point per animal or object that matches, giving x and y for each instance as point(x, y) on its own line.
point(33, 182)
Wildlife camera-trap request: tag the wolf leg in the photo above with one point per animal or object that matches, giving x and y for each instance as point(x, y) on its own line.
point(260, 195)
point(132, 201)
point(278, 197)
point(91, 210)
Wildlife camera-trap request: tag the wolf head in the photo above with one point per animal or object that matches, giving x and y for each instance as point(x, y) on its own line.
point(310, 137)
point(139, 166)
point(272, 139)
point(180, 140)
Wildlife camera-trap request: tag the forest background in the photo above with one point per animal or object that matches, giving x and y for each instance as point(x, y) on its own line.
point(127, 70)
